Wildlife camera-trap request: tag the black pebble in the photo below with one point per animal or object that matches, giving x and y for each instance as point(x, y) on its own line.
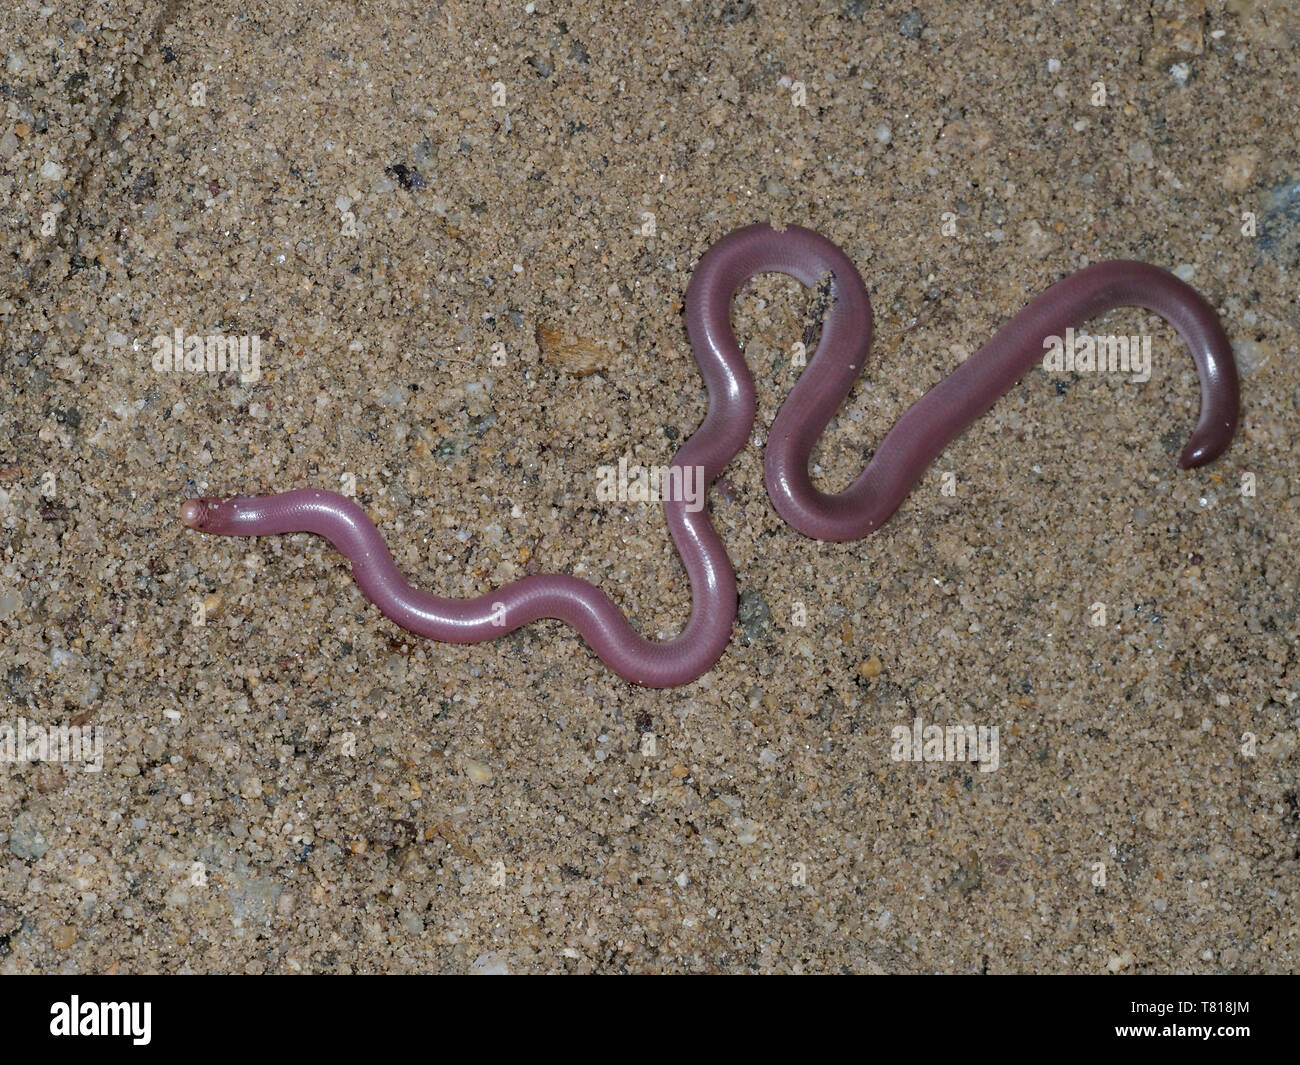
point(409, 178)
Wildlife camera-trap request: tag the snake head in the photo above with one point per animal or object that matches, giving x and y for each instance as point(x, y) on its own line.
point(194, 512)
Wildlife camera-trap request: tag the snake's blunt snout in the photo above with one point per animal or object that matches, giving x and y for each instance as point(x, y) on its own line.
point(193, 512)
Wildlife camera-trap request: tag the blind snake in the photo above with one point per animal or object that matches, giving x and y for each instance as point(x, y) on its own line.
point(902, 457)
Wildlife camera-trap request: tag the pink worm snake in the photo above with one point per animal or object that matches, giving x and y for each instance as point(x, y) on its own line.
point(903, 456)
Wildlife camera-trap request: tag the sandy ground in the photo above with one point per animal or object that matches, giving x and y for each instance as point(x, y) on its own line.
point(405, 204)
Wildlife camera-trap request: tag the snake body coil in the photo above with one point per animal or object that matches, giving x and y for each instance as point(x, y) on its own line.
point(903, 456)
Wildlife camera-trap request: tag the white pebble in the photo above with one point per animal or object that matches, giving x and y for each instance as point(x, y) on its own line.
point(477, 772)
point(489, 965)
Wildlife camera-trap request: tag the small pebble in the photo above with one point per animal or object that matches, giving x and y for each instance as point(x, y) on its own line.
point(489, 965)
point(1239, 172)
point(477, 772)
point(26, 840)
